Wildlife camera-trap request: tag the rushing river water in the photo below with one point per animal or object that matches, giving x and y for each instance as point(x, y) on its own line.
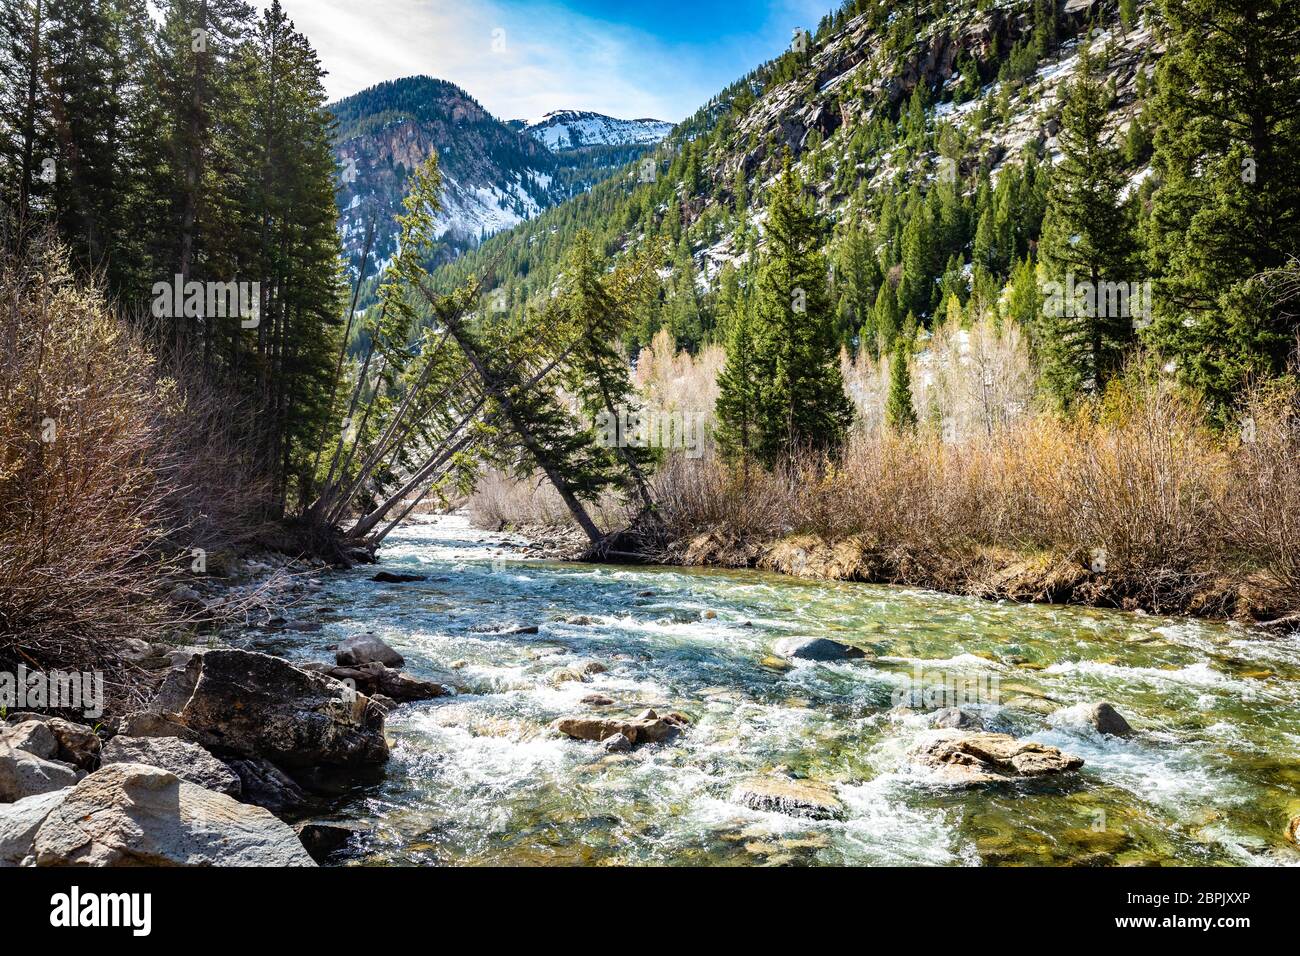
point(1210, 777)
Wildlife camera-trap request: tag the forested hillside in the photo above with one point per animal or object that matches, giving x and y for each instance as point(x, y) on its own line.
point(960, 156)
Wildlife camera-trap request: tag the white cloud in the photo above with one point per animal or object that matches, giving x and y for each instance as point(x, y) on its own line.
point(550, 58)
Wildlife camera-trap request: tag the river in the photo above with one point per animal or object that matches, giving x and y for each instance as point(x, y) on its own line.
point(1210, 777)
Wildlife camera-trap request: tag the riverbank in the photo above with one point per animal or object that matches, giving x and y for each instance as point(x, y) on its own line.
point(996, 574)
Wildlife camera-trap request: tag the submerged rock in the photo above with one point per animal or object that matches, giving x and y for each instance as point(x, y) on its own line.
point(188, 761)
point(976, 758)
point(132, 814)
point(256, 705)
point(797, 798)
point(393, 577)
point(816, 649)
point(366, 649)
point(954, 717)
point(322, 840)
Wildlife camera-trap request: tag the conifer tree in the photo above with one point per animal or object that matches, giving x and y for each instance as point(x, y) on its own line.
point(900, 414)
point(1087, 241)
point(738, 392)
point(803, 404)
point(1227, 205)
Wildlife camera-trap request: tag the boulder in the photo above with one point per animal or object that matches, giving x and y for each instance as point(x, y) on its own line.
point(366, 649)
point(1105, 719)
point(616, 744)
point(188, 761)
point(816, 649)
point(19, 822)
point(32, 736)
point(596, 700)
point(24, 774)
point(144, 723)
point(392, 577)
point(79, 745)
point(130, 814)
point(797, 798)
point(975, 758)
point(256, 705)
point(646, 728)
point(264, 784)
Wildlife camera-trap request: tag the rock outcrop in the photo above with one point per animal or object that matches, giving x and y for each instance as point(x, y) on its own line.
point(132, 814)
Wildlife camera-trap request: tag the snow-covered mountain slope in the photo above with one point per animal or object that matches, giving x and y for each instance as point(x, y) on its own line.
point(576, 129)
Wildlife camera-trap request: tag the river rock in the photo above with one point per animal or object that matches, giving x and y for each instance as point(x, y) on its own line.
point(264, 784)
point(188, 761)
point(256, 705)
point(31, 736)
point(616, 744)
point(596, 700)
point(1293, 830)
point(815, 649)
point(24, 774)
point(322, 840)
point(976, 758)
point(144, 723)
point(1105, 719)
point(77, 744)
point(797, 798)
point(366, 649)
point(954, 717)
point(20, 820)
point(646, 728)
point(132, 814)
point(393, 577)
point(376, 679)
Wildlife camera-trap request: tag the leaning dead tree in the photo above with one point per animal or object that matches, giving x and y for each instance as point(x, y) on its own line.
point(442, 388)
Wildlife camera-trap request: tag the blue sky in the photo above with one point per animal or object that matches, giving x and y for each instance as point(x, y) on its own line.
point(523, 58)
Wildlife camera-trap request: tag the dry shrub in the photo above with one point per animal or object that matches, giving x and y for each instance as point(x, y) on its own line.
point(110, 473)
point(1139, 484)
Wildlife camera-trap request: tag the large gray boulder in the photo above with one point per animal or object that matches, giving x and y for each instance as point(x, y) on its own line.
point(816, 649)
point(133, 815)
point(32, 736)
point(255, 705)
point(19, 822)
point(188, 761)
point(366, 649)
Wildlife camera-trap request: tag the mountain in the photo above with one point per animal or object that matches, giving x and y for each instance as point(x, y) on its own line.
point(576, 129)
point(495, 174)
point(896, 114)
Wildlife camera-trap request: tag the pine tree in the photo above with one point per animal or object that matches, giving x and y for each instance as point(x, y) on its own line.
point(1087, 242)
point(803, 404)
point(1226, 208)
point(900, 415)
point(738, 392)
